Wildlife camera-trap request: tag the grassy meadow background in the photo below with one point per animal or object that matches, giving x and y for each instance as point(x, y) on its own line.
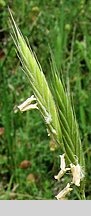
point(28, 158)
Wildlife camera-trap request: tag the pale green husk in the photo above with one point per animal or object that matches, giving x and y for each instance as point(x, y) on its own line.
point(39, 84)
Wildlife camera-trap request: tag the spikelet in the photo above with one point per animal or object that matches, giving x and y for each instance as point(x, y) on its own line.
point(68, 122)
point(38, 82)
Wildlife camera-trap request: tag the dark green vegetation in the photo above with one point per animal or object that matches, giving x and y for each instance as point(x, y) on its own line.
point(65, 26)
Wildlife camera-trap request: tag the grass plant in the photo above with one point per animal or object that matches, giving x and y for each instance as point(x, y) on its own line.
point(55, 107)
point(65, 27)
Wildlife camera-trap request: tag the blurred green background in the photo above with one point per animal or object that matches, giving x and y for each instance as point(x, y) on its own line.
point(28, 158)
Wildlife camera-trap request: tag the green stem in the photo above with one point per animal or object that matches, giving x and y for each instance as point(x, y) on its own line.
point(82, 191)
